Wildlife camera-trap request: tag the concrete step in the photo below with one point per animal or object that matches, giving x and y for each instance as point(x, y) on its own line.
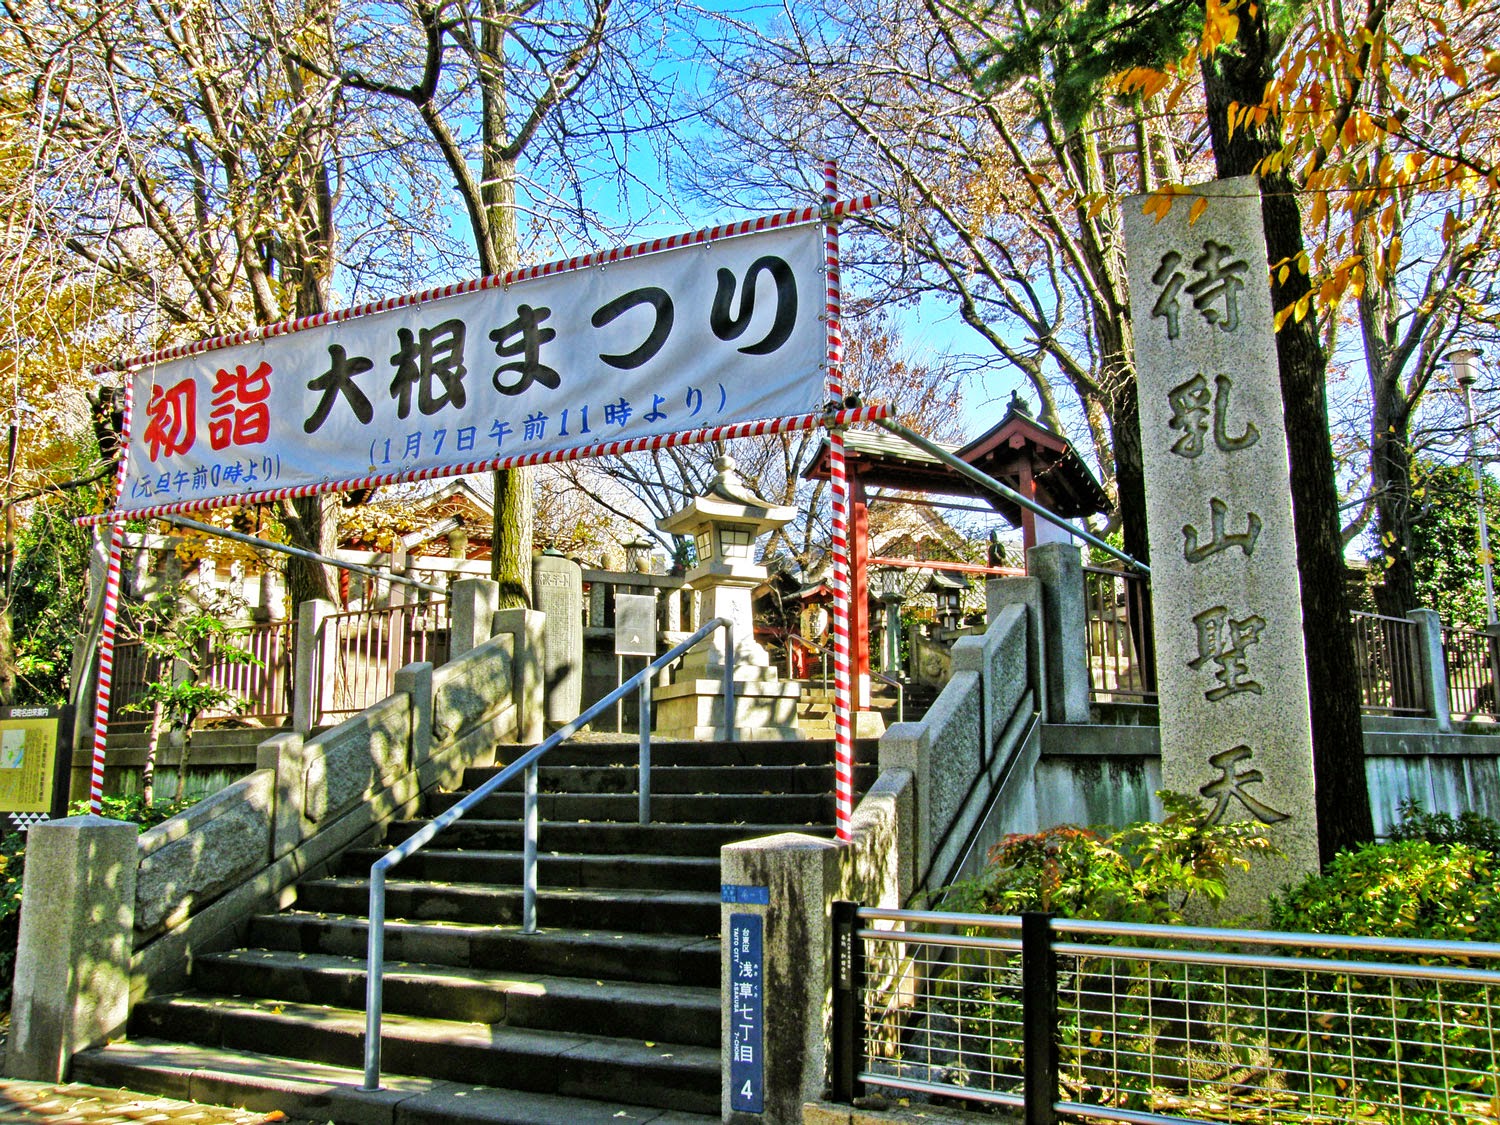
point(610, 838)
point(633, 1010)
point(750, 752)
point(756, 808)
point(502, 868)
point(678, 779)
point(663, 1074)
point(596, 954)
point(613, 1004)
point(643, 911)
point(319, 1092)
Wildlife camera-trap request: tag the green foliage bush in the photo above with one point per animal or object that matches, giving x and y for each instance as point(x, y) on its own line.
point(1143, 872)
point(51, 572)
point(1400, 889)
point(13, 868)
point(1318, 1040)
point(1468, 828)
point(1436, 878)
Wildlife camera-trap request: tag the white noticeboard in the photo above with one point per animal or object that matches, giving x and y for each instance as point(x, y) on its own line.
point(696, 337)
point(635, 625)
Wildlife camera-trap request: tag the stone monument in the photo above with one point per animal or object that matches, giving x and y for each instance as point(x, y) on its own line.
point(558, 586)
point(724, 523)
point(1232, 676)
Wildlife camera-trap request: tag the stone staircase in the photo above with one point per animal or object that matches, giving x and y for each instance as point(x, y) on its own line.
point(610, 1013)
point(815, 706)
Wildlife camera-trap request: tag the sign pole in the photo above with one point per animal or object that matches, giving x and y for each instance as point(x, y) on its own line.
point(843, 731)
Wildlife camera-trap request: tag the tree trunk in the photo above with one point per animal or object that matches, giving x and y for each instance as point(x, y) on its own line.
point(512, 518)
point(1390, 480)
point(1239, 74)
point(1130, 470)
point(1390, 438)
point(510, 553)
point(312, 520)
point(182, 762)
point(314, 525)
point(148, 766)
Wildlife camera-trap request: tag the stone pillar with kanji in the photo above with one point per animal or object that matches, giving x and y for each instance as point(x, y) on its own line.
point(1232, 676)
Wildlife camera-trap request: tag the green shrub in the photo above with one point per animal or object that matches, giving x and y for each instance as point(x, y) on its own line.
point(1470, 828)
point(1400, 889)
point(1145, 872)
point(1405, 1031)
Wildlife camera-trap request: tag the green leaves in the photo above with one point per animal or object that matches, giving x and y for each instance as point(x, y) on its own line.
point(1144, 872)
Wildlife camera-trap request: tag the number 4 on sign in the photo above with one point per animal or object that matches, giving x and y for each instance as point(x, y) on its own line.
point(745, 1091)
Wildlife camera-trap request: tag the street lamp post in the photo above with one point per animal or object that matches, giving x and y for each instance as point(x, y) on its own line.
point(1466, 374)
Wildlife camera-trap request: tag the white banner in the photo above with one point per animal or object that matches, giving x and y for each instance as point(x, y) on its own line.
point(702, 336)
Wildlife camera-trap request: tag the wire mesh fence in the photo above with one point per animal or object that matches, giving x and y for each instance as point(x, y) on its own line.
point(1151, 1023)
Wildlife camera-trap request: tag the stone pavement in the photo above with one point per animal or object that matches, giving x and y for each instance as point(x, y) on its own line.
point(26, 1103)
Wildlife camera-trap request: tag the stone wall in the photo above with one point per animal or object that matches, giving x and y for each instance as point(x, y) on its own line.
point(1109, 775)
point(199, 877)
point(961, 748)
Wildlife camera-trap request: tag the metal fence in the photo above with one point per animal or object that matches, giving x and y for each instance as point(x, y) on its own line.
point(1473, 661)
point(371, 646)
point(1122, 1022)
point(1121, 652)
point(1385, 656)
point(264, 685)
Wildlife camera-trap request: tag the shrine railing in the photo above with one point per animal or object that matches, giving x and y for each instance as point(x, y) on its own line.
point(372, 645)
point(264, 686)
point(1473, 662)
point(1385, 656)
point(1121, 652)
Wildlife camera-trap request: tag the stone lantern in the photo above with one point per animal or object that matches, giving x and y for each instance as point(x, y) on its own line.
point(889, 586)
point(949, 593)
point(723, 525)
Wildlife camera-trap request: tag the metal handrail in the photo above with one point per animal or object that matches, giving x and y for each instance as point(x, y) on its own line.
point(375, 955)
point(889, 681)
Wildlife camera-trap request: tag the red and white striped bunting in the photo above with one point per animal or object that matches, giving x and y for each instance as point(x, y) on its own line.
point(602, 449)
point(843, 684)
point(798, 217)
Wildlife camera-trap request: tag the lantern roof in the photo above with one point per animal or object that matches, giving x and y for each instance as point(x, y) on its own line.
point(727, 498)
point(942, 583)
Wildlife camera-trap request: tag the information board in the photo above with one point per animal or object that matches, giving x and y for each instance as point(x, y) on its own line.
point(33, 764)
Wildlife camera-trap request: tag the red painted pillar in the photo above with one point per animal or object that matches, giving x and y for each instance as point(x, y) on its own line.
point(1027, 488)
point(859, 595)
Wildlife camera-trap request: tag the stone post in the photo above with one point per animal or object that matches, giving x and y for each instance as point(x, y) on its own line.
point(72, 976)
point(284, 755)
point(473, 618)
point(1230, 654)
point(528, 628)
point(674, 613)
point(557, 583)
point(598, 602)
point(415, 681)
point(1059, 569)
point(1432, 668)
point(310, 699)
point(1001, 592)
point(786, 882)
